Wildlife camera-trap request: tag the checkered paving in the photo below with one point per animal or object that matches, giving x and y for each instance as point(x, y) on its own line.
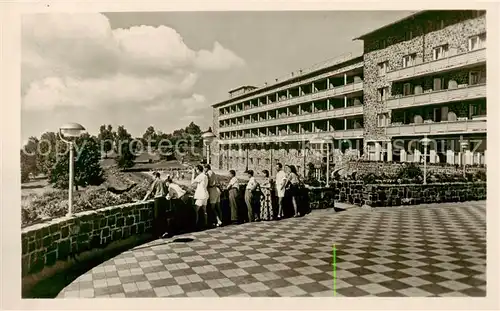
point(433, 250)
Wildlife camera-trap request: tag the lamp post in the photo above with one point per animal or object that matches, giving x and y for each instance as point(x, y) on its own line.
point(464, 145)
point(425, 141)
point(72, 130)
point(208, 137)
point(328, 140)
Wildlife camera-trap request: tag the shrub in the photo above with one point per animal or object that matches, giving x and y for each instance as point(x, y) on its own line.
point(480, 176)
point(410, 171)
point(87, 165)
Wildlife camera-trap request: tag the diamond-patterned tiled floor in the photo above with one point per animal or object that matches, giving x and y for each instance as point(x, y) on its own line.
point(434, 250)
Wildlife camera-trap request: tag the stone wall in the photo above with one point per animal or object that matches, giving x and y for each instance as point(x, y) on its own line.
point(349, 192)
point(412, 194)
point(456, 35)
point(50, 247)
point(214, 158)
point(391, 168)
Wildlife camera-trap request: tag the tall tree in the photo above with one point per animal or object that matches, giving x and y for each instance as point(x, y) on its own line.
point(150, 138)
point(123, 148)
point(29, 163)
point(48, 146)
point(193, 129)
point(106, 138)
point(87, 166)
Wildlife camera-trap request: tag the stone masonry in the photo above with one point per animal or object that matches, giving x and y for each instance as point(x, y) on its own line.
point(455, 35)
point(381, 195)
point(64, 238)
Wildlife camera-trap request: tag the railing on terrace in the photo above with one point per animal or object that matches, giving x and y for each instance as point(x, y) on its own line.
point(465, 92)
point(315, 116)
point(444, 127)
point(339, 134)
point(320, 95)
point(450, 62)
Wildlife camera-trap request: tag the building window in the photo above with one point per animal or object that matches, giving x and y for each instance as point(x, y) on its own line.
point(441, 24)
point(477, 77)
point(382, 93)
point(440, 52)
point(438, 84)
point(408, 35)
point(383, 43)
point(382, 68)
point(477, 42)
point(407, 89)
point(382, 120)
point(409, 60)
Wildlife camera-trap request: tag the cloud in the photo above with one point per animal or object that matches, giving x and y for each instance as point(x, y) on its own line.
point(75, 61)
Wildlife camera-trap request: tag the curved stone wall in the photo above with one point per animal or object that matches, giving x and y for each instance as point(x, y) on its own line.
point(54, 246)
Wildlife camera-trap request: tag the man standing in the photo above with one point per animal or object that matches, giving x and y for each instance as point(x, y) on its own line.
point(213, 194)
point(280, 188)
point(160, 206)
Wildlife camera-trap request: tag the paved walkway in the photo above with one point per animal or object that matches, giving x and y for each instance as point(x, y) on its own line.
point(434, 250)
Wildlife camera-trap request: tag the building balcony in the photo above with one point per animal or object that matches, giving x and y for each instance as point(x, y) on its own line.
point(316, 116)
point(320, 95)
point(445, 127)
point(438, 97)
point(451, 62)
point(339, 134)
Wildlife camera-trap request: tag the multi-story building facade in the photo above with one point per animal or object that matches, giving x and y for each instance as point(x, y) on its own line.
point(423, 76)
point(257, 127)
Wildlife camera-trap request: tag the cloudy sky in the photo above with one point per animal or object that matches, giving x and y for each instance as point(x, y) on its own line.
point(164, 68)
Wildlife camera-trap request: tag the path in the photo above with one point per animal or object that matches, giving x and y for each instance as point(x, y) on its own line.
point(433, 250)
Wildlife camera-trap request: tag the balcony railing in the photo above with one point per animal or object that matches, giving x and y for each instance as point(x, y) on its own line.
point(437, 97)
point(451, 62)
point(327, 114)
point(445, 127)
point(320, 95)
point(339, 134)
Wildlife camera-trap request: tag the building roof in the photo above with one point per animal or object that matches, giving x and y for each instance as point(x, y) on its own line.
point(337, 61)
point(390, 25)
point(242, 87)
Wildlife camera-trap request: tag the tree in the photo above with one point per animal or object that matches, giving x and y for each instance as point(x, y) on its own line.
point(29, 159)
point(87, 166)
point(150, 137)
point(46, 156)
point(193, 129)
point(106, 138)
point(123, 148)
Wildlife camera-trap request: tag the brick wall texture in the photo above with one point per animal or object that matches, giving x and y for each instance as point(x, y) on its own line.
point(60, 239)
point(456, 36)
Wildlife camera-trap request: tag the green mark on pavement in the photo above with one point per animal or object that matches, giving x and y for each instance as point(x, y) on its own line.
point(334, 271)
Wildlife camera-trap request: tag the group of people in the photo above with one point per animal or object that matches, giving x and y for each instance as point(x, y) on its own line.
point(264, 199)
point(259, 196)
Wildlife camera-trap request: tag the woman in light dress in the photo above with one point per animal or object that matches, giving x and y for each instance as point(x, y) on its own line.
point(200, 180)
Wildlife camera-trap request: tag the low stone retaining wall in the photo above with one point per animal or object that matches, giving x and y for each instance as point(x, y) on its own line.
point(391, 168)
point(320, 198)
point(51, 247)
point(60, 244)
point(349, 191)
point(380, 195)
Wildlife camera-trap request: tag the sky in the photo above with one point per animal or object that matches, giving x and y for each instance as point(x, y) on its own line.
point(166, 69)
